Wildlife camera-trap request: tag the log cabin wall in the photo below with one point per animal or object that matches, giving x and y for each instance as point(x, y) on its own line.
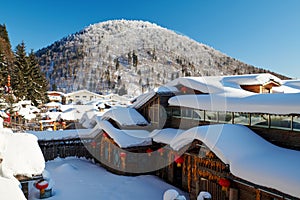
point(252, 88)
point(265, 88)
point(200, 170)
point(154, 110)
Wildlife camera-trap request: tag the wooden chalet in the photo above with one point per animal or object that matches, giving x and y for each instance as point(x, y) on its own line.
point(261, 88)
point(196, 167)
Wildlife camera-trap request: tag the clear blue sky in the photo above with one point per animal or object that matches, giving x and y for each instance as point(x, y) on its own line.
point(264, 33)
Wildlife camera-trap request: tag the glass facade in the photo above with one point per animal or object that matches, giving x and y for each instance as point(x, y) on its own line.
point(241, 118)
point(281, 122)
point(286, 122)
point(261, 120)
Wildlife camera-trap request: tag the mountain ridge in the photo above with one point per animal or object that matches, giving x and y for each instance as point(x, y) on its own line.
point(131, 56)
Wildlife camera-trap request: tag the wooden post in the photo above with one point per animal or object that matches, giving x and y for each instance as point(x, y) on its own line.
point(189, 171)
point(233, 194)
point(257, 194)
point(25, 188)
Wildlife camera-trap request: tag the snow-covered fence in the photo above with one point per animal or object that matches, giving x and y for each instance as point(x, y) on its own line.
point(66, 148)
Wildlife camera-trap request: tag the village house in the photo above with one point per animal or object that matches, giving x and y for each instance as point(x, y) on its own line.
point(55, 96)
point(227, 135)
point(81, 96)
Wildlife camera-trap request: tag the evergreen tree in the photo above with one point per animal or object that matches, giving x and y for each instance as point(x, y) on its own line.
point(134, 59)
point(20, 72)
point(28, 80)
point(37, 80)
point(4, 34)
point(3, 68)
point(129, 58)
point(54, 87)
point(117, 64)
point(6, 55)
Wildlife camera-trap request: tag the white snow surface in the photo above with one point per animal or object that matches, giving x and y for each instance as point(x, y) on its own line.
point(142, 99)
point(165, 89)
point(79, 179)
point(90, 117)
point(229, 85)
point(126, 138)
point(125, 116)
point(278, 103)
point(70, 114)
point(288, 86)
point(165, 135)
point(21, 154)
point(61, 134)
point(252, 79)
point(53, 104)
point(10, 190)
point(292, 83)
point(249, 156)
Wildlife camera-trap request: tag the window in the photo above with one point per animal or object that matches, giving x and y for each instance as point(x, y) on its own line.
point(241, 118)
point(281, 122)
point(186, 113)
point(296, 123)
point(176, 112)
point(211, 116)
point(198, 115)
point(261, 120)
point(225, 117)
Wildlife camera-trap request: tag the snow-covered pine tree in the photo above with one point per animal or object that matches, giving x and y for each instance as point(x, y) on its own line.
point(28, 80)
point(20, 71)
point(37, 80)
point(6, 55)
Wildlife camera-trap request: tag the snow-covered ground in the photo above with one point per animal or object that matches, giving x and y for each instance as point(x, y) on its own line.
point(20, 154)
point(79, 179)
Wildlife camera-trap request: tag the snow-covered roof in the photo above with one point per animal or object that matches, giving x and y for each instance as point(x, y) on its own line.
point(25, 102)
point(70, 114)
point(259, 103)
point(142, 99)
point(252, 79)
point(21, 154)
point(61, 134)
point(288, 86)
point(28, 112)
point(224, 84)
point(203, 84)
point(55, 92)
point(249, 156)
point(292, 83)
point(166, 89)
point(166, 135)
point(89, 118)
point(125, 116)
point(126, 138)
point(82, 92)
point(53, 104)
point(229, 85)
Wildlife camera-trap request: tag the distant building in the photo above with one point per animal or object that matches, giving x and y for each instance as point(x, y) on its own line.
point(55, 96)
point(81, 96)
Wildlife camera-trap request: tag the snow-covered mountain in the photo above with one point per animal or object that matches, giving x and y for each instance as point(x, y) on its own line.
point(130, 56)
